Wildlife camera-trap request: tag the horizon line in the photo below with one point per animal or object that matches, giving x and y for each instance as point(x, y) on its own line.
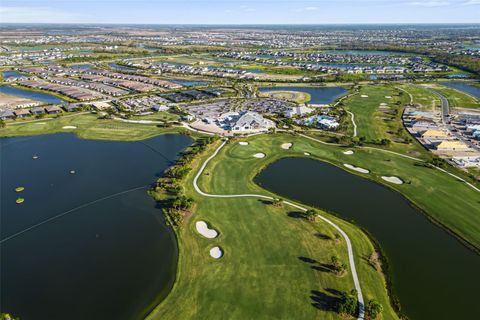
point(252, 24)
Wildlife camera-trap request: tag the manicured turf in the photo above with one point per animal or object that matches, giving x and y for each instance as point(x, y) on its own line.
point(261, 275)
point(374, 122)
point(423, 99)
point(159, 116)
point(457, 98)
point(88, 127)
point(295, 96)
point(430, 189)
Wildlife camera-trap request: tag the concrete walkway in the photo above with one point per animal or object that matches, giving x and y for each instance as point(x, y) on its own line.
point(354, 124)
point(356, 281)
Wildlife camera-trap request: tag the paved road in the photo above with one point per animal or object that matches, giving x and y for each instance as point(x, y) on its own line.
point(446, 121)
point(445, 105)
point(356, 281)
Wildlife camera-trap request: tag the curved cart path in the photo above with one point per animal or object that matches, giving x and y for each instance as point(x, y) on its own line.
point(356, 281)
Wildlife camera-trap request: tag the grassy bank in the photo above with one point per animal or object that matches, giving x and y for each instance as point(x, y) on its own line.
point(294, 96)
point(88, 126)
point(457, 98)
point(264, 273)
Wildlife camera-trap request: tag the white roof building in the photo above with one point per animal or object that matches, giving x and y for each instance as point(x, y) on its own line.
point(298, 111)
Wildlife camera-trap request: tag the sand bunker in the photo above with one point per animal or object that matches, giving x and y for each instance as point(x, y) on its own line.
point(348, 152)
point(216, 253)
point(388, 97)
point(69, 127)
point(383, 104)
point(259, 155)
point(286, 146)
point(205, 231)
point(358, 169)
point(306, 153)
point(364, 96)
point(243, 143)
point(392, 179)
point(40, 123)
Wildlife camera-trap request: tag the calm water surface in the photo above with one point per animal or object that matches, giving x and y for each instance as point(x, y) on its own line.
point(188, 83)
point(465, 87)
point(12, 75)
point(33, 95)
point(434, 275)
point(318, 95)
point(110, 256)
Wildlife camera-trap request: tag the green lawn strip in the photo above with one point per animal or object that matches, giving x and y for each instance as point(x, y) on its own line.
point(88, 127)
point(457, 98)
point(260, 275)
point(158, 116)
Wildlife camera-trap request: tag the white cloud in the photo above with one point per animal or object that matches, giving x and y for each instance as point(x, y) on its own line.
point(306, 9)
point(430, 4)
point(36, 14)
point(472, 2)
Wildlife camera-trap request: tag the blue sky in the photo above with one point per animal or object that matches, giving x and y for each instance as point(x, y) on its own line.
point(241, 12)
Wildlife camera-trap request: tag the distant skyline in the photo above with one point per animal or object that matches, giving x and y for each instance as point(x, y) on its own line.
point(240, 12)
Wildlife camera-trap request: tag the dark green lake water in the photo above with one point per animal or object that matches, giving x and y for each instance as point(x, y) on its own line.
point(434, 275)
point(110, 259)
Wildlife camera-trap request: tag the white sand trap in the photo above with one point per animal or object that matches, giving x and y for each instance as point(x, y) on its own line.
point(259, 155)
point(364, 96)
point(306, 153)
point(69, 127)
point(243, 143)
point(348, 152)
point(216, 253)
point(286, 146)
point(358, 169)
point(395, 180)
point(383, 104)
point(205, 231)
point(388, 97)
point(40, 123)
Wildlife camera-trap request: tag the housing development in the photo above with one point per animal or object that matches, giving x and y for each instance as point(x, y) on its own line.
point(239, 172)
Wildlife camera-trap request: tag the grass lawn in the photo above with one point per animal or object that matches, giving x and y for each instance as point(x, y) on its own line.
point(294, 96)
point(261, 275)
point(425, 100)
point(375, 122)
point(456, 98)
point(88, 127)
point(158, 116)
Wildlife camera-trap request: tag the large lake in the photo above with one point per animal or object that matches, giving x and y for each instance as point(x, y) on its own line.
point(434, 275)
point(32, 95)
point(111, 256)
point(318, 95)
